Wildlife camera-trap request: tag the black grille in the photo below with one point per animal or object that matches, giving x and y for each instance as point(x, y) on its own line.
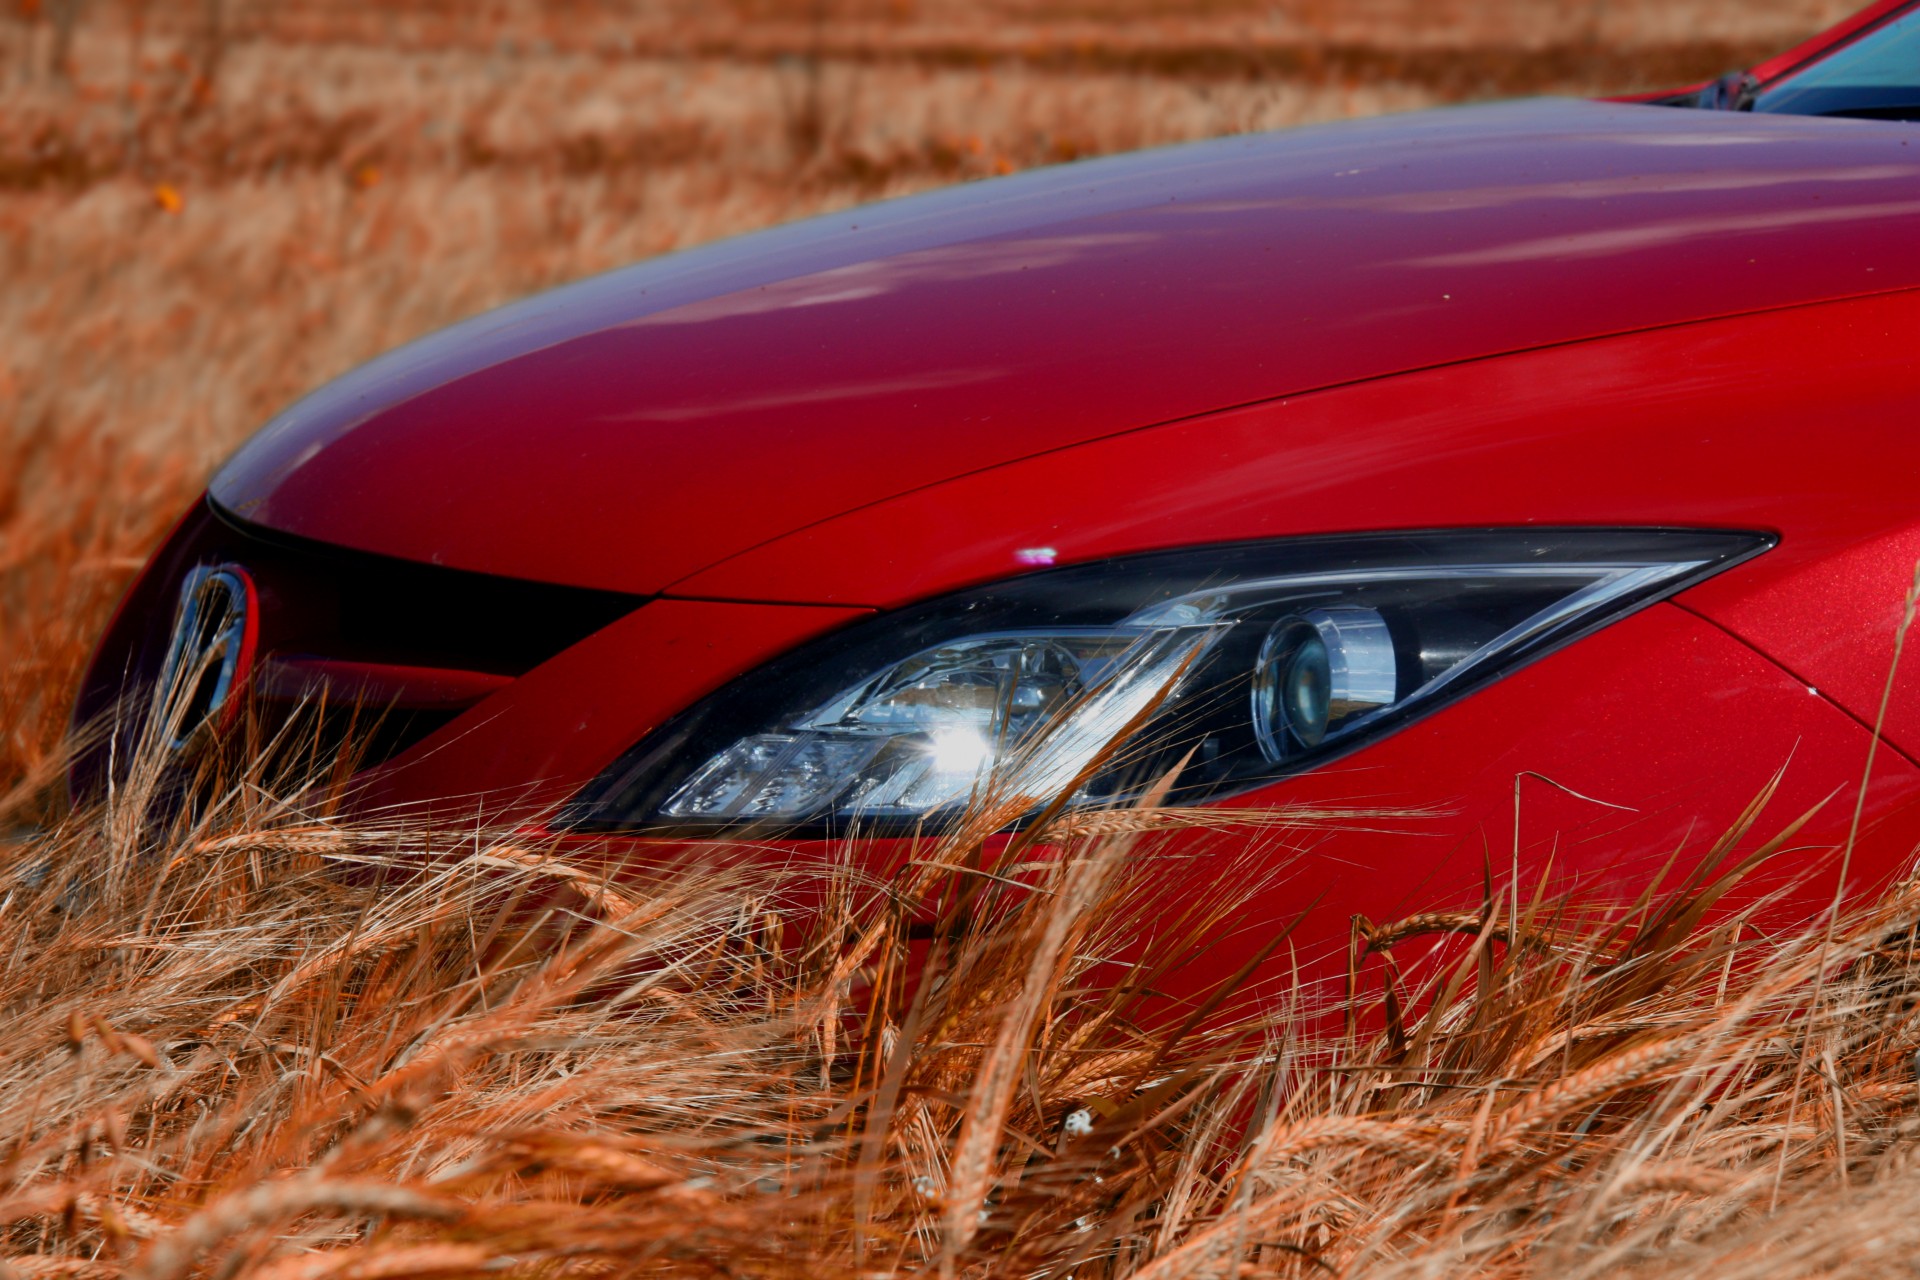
point(320, 600)
point(368, 631)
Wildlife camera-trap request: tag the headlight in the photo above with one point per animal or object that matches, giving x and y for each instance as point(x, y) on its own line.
point(1250, 661)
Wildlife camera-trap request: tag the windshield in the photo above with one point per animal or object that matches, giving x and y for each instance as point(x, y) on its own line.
point(1876, 76)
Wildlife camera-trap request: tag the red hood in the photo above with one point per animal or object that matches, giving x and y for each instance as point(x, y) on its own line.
point(630, 430)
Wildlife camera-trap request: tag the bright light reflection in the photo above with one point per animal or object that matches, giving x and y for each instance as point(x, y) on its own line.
point(960, 751)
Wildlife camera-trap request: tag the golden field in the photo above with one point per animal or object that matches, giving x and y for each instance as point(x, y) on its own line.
point(269, 1045)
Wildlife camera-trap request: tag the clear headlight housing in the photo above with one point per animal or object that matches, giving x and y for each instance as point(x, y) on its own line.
point(1243, 663)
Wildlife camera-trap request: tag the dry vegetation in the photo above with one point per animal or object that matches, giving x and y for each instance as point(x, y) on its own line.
point(276, 1046)
point(261, 1045)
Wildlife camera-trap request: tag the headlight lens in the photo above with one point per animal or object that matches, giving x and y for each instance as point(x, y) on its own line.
point(1319, 669)
point(1249, 661)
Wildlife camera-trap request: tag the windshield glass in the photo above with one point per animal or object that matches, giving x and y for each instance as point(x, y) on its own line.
point(1876, 76)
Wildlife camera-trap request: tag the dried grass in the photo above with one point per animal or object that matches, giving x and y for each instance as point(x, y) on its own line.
point(251, 1043)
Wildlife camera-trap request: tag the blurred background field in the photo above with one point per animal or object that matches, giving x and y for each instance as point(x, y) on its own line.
point(208, 207)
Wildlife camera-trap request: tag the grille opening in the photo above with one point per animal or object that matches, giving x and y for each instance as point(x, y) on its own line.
point(330, 603)
point(355, 651)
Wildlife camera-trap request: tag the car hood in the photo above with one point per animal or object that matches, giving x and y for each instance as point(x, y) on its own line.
point(630, 430)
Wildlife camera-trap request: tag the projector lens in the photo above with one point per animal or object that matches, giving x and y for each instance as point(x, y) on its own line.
point(1304, 691)
point(1319, 671)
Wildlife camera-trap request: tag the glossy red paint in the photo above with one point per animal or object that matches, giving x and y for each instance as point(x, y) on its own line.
point(1832, 621)
point(1763, 422)
point(630, 431)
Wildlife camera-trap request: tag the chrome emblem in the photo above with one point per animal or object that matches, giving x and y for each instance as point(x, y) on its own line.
point(208, 656)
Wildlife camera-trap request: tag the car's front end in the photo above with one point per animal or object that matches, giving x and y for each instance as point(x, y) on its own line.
point(1524, 468)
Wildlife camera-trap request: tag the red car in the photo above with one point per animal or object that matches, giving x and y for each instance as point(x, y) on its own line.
point(1551, 465)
